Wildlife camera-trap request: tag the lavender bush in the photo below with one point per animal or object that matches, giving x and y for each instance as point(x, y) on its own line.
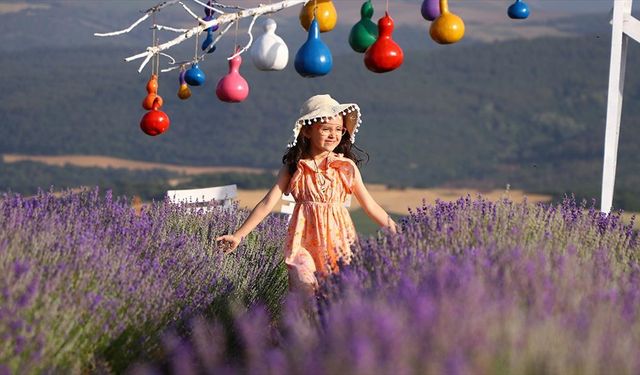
point(469, 287)
point(86, 283)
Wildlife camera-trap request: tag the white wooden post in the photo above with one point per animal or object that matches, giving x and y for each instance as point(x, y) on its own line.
point(624, 26)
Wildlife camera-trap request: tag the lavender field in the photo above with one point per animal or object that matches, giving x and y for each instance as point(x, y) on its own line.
point(468, 287)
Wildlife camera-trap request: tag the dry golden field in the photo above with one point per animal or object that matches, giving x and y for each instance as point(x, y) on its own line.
point(398, 201)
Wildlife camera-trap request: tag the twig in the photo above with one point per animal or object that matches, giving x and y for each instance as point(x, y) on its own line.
point(169, 28)
point(190, 12)
point(148, 12)
point(209, 7)
point(123, 31)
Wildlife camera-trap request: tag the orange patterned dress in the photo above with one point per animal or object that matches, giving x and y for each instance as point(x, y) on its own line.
point(321, 230)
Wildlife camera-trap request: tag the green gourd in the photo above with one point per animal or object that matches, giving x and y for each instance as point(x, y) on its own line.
point(365, 32)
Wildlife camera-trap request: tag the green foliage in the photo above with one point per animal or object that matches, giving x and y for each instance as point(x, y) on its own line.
point(26, 177)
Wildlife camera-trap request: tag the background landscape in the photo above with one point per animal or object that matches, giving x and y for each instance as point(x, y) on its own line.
point(93, 283)
point(516, 103)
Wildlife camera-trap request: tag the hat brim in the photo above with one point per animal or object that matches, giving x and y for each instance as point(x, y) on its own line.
point(349, 111)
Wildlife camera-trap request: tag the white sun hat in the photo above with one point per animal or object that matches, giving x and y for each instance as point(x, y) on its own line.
point(320, 108)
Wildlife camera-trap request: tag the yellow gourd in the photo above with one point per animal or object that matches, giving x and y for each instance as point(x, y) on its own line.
point(184, 92)
point(326, 15)
point(448, 28)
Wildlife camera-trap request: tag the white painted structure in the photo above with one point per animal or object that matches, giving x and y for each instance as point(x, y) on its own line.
point(200, 198)
point(624, 26)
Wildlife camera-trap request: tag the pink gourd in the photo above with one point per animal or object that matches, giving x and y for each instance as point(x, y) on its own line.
point(233, 88)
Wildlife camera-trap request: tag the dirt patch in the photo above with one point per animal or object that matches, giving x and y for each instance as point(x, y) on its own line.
point(19, 7)
point(95, 161)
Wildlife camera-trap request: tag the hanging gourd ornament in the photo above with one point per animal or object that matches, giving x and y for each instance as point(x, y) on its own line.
point(207, 43)
point(147, 103)
point(365, 32)
point(384, 55)
point(155, 121)
point(208, 12)
point(430, 9)
point(269, 51)
point(448, 28)
point(152, 93)
point(233, 88)
point(194, 76)
point(518, 10)
point(183, 92)
point(322, 11)
point(152, 84)
point(314, 57)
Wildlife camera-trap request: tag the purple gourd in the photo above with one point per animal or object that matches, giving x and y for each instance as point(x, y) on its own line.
point(430, 9)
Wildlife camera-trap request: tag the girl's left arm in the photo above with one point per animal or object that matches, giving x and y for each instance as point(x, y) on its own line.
point(370, 206)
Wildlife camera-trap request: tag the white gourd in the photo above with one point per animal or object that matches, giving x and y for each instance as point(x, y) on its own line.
point(269, 51)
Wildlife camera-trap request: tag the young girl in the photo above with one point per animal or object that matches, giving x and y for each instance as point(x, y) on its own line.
point(319, 171)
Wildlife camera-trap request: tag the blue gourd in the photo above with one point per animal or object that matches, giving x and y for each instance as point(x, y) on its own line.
point(314, 57)
point(194, 76)
point(208, 41)
point(518, 10)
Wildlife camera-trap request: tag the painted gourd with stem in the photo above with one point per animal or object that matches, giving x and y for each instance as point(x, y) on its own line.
point(152, 93)
point(322, 11)
point(269, 51)
point(364, 33)
point(183, 92)
point(314, 58)
point(233, 88)
point(155, 121)
point(385, 54)
point(518, 10)
point(448, 28)
point(430, 9)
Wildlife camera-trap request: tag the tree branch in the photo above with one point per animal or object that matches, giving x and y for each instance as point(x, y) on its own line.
point(224, 19)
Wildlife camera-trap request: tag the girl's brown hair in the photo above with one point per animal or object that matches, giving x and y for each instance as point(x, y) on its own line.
point(301, 150)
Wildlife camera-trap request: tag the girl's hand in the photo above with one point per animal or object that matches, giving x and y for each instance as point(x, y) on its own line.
point(392, 226)
point(229, 242)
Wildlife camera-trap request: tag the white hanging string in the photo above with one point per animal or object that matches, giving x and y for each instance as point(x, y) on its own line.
point(195, 54)
point(154, 42)
point(235, 38)
point(246, 47)
point(158, 60)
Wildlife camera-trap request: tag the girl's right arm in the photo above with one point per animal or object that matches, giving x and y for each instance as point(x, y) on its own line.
point(259, 212)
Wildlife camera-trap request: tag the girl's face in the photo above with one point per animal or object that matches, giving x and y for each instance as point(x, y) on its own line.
point(325, 136)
